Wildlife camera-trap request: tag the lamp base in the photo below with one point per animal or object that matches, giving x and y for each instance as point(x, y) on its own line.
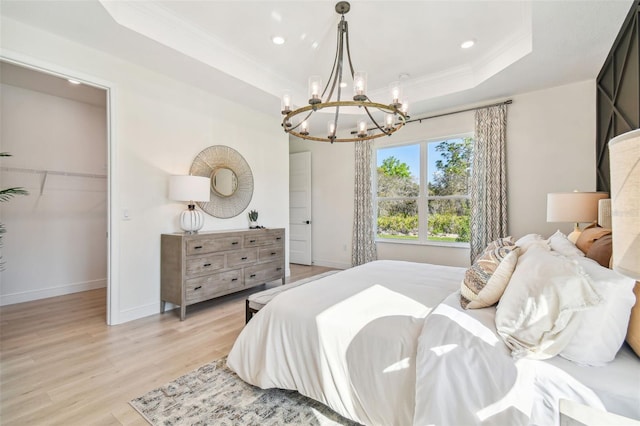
point(191, 220)
point(573, 237)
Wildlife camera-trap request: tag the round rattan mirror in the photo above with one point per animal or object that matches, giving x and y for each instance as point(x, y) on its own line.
point(231, 180)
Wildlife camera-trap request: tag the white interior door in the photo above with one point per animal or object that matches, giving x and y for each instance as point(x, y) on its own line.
point(300, 208)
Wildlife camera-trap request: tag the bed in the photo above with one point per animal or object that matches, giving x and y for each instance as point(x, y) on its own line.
point(388, 343)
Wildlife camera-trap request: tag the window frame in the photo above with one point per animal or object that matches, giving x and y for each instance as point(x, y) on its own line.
point(423, 197)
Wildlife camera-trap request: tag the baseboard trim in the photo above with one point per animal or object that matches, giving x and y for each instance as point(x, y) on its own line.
point(331, 264)
point(137, 313)
point(31, 295)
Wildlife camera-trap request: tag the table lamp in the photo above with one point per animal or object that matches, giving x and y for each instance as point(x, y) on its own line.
point(624, 157)
point(577, 207)
point(190, 189)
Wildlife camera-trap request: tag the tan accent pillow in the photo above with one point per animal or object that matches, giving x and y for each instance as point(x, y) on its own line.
point(633, 332)
point(487, 278)
point(600, 250)
point(500, 242)
point(589, 236)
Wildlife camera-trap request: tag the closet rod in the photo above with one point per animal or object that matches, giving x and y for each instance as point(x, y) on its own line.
point(52, 172)
point(507, 102)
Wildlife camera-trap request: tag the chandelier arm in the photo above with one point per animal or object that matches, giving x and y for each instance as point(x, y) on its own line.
point(375, 122)
point(286, 118)
point(336, 71)
point(333, 67)
point(346, 30)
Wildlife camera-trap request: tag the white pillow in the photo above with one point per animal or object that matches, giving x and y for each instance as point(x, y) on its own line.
point(559, 242)
point(530, 240)
point(602, 330)
point(538, 313)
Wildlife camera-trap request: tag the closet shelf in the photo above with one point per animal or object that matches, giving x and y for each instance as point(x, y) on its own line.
point(53, 172)
point(46, 173)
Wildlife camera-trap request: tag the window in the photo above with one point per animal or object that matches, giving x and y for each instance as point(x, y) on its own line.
point(422, 191)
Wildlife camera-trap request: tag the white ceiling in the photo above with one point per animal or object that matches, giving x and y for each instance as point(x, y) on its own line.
point(225, 46)
point(50, 84)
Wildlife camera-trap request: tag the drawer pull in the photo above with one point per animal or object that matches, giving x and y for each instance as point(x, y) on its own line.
point(278, 269)
point(278, 238)
point(273, 253)
point(207, 265)
point(252, 276)
point(234, 279)
point(198, 288)
point(244, 258)
point(234, 243)
point(197, 247)
point(252, 241)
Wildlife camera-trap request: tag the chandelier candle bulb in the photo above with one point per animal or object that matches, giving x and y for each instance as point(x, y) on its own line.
point(362, 128)
point(315, 83)
point(388, 121)
point(304, 128)
point(359, 86)
point(286, 103)
point(396, 94)
point(405, 109)
point(331, 128)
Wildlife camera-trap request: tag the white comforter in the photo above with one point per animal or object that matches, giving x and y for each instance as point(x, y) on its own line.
point(376, 344)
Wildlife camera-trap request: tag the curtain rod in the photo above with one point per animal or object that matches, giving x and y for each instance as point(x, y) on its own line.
point(507, 102)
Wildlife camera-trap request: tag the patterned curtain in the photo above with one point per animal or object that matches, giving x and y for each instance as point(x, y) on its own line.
point(363, 248)
point(488, 181)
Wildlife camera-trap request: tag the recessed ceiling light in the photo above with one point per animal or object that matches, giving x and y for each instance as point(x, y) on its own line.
point(277, 40)
point(314, 45)
point(73, 81)
point(343, 84)
point(467, 44)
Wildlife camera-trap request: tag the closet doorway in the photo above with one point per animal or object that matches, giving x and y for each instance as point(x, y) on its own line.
point(56, 131)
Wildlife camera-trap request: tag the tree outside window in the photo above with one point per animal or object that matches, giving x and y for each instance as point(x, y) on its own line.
point(423, 191)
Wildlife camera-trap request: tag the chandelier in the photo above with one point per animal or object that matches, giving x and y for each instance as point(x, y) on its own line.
point(390, 117)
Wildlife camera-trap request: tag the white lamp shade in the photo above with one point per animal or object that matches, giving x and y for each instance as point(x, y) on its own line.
point(573, 207)
point(624, 156)
point(189, 188)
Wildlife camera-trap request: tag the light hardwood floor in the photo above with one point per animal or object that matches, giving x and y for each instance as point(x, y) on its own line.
point(60, 364)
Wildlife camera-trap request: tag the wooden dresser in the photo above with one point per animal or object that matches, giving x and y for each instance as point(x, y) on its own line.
point(199, 267)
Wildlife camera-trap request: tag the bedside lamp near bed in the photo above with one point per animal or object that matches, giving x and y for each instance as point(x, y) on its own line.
point(576, 207)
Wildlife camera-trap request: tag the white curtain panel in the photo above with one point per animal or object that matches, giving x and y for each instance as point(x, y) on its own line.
point(488, 179)
point(363, 245)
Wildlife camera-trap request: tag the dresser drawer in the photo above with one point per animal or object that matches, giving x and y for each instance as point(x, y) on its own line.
point(210, 245)
point(269, 254)
point(205, 288)
point(242, 257)
point(204, 264)
point(263, 238)
point(263, 273)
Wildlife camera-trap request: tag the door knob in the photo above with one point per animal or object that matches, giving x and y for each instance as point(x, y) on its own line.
point(306, 222)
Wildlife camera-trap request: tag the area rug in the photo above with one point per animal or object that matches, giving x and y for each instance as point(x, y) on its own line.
point(215, 395)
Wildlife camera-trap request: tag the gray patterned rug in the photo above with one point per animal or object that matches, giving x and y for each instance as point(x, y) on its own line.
point(215, 395)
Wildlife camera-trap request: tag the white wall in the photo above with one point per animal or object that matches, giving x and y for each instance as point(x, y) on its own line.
point(56, 240)
point(159, 125)
point(550, 148)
